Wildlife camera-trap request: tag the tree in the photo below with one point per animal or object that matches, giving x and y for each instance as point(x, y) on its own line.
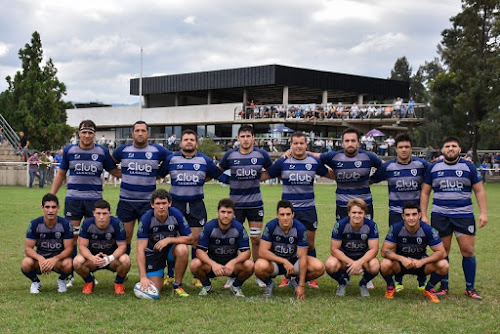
point(471, 50)
point(402, 70)
point(33, 100)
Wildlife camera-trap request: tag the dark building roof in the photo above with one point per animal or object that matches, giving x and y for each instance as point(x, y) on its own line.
point(267, 82)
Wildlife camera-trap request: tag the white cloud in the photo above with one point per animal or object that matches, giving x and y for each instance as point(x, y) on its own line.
point(190, 20)
point(4, 48)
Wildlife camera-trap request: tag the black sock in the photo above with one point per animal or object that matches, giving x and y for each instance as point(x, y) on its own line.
point(31, 275)
point(367, 277)
point(389, 280)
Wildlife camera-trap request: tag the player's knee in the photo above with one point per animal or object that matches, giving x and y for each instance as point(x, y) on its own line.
point(260, 267)
point(195, 265)
point(78, 261)
point(443, 267)
point(374, 266)
point(248, 266)
point(386, 266)
point(28, 264)
point(67, 265)
point(467, 251)
point(316, 266)
point(124, 261)
point(332, 265)
point(181, 251)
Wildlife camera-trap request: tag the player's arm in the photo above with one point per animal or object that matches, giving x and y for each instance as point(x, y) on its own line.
point(141, 263)
point(357, 266)
point(242, 257)
point(266, 254)
point(58, 180)
point(183, 239)
point(29, 250)
point(338, 253)
point(389, 252)
point(481, 201)
point(424, 200)
point(49, 263)
point(331, 174)
point(117, 172)
point(202, 255)
point(439, 254)
point(120, 250)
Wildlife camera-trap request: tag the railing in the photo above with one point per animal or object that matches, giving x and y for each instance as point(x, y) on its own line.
point(8, 133)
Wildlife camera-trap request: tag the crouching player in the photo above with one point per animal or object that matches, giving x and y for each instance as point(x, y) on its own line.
point(404, 252)
point(102, 245)
point(222, 238)
point(354, 248)
point(163, 235)
point(52, 236)
point(283, 251)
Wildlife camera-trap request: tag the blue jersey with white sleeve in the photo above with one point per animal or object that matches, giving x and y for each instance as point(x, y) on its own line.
point(49, 240)
point(413, 245)
point(285, 244)
point(103, 240)
point(354, 241)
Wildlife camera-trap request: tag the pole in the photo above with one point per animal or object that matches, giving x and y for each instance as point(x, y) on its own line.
point(140, 89)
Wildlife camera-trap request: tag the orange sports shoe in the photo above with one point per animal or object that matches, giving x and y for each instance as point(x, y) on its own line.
point(431, 295)
point(284, 282)
point(87, 288)
point(119, 288)
point(389, 292)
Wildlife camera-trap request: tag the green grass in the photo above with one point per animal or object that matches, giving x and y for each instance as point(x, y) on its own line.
point(321, 312)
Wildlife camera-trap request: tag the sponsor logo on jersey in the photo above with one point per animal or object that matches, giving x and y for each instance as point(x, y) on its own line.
point(236, 162)
point(155, 229)
point(217, 241)
point(459, 173)
point(231, 241)
point(419, 240)
point(108, 236)
point(291, 240)
point(77, 156)
point(364, 236)
point(58, 235)
point(149, 155)
point(413, 172)
point(397, 173)
point(440, 174)
point(253, 161)
point(340, 164)
point(95, 156)
point(357, 164)
point(131, 155)
point(292, 167)
point(309, 166)
point(179, 166)
point(196, 166)
point(171, 227)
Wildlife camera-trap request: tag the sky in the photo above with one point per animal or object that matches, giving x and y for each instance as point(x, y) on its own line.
point(95, 45)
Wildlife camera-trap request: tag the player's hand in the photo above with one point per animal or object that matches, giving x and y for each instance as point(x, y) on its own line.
point(228, 268)
point(99, 260)
point(417, 264)
point(287, 154)
point(300, 292)
point(289, 268)
point(483, 220)
point(355, 268)
point(218, 270)
point(48, 265)
point(146, 283)
point(408, 263)
point(161, 244)
point(424, 219)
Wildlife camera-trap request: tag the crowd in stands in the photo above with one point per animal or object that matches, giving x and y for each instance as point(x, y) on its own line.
point(398, 109)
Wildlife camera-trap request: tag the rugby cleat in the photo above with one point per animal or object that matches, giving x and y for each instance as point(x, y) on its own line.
point(180, 292)
point(168, 280)
point(236, 290)
point(473, 294)
point(293, 284)
point(61, 285)
point(119, 289)
point(284, 282)
point(442, 292)
point(268, 292)
point(197, 283)
point(389, 292)
point(205, 290)
point(313, 284)
point(363, 290)
point(431, 295)
point(69, 281)
point(260, 283)
point(370, 285)
point(400, 287)
point(87, 288)
point(36, 287)
point(229, 282)
point(341, 290)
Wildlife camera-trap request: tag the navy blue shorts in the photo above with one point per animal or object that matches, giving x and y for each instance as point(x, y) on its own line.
point(158, 260)
point(417, 272)
point(282, 270)
point(307, 217)
point(131, 211)
point(341, 212)
point(194, 212)
point(251, 214)
point(394, 218)
point(447, 225)
point(76, 209)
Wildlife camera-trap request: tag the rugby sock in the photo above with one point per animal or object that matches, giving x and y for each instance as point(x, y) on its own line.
point(170, 268)
point(89, 278)
point(469, 267)
point(193, 253)
point(367, 277)
point(119, 279)
point(389, 280)
point(237, 282)
point(31, 275)
point(75, 252)
point(176, 285)
point(129, 248)
point(206, 283)
point(268, 281)
point(399, 279)
point(312, 252)
point(433, 280)
point(444, 280)
point(339, 277)
point(63, 276)
point(421, 280)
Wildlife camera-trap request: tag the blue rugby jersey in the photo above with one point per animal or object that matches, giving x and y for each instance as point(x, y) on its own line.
point(246, 170)
point(354, 242)
point(285, 244)
point(452, 186)
point(413, 245)
point(103, 240)
point(153, 230)
point(85, 169)
point(352, 174)
point(139, 170)
point(49, 240)
point(404, 181)
point(298, 179)
point(223, 246)
point(188, 175)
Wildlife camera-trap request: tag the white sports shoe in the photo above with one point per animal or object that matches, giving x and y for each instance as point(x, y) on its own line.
point(61, 285)
point(35, 287)
point(370, 285)
point(69, 281)
point(229, 282)
point(260, 283)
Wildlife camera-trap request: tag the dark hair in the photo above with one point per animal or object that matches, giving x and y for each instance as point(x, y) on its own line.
point(246, 128)
point(357, 202)
point(102, 204)
point(403, 137)
point(87, 124)
point(350, 130)
point(284, 204)
point(139, 122)
point(189, 132)
point(297, 134)
point(411, 205)
point(451, 139)
point(161, 194)
point(226, 203)
point(49, 198)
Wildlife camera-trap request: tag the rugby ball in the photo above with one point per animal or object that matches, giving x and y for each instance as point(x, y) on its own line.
point(151, 293)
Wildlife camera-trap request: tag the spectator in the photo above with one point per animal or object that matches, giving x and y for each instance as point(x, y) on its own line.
point(370, 141)
point(371, 111)
point(382, 149)
point(411, 108)
point(390, 145)
point(330, 144)
point(339, 111)
point(171, 142)
point(397, 107)
point(33, 168)
point(354, 111)
point(43, 164)
point(318, 145)
point(24, 144)
point(483, 168)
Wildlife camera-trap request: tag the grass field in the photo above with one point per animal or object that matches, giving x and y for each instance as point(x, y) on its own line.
point(321, 312)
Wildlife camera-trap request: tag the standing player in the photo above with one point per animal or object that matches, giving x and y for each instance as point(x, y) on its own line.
point(283, 251)
point(352, 167)
point(453, 179)
point(404, 252)
point(404, 176)
point(163, 235)
point(298, 174)
point(246, 164)
point(217, 251)
point(354, 248)
point(48, 246)
point(85, 162)
point(102, 245)
point(188, 170)
point(139, 165)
